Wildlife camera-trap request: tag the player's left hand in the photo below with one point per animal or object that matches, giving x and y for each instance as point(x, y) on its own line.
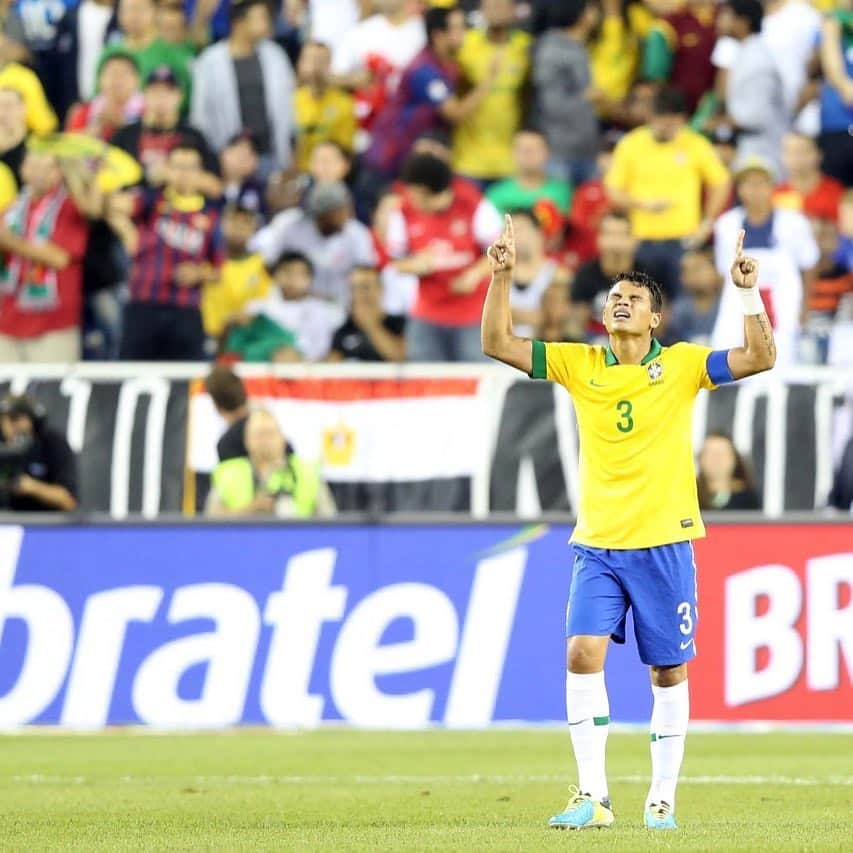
point(502, 252)
point(744, 268)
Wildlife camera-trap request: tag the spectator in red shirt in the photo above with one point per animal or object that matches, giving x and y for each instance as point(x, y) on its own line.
point(590, 203)
point(807, 189)
point(439, 233)
point(42, 240)
point(176, 253)
point(117, 103)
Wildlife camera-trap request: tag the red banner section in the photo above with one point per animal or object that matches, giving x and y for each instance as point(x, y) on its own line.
point(775, 633)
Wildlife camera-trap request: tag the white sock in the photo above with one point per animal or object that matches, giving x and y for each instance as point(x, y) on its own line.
point(670, 714)
point(588, 713)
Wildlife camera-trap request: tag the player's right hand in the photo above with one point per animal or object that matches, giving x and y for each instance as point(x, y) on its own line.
point(501, 253)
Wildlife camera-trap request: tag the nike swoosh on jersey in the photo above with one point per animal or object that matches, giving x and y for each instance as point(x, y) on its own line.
point(596, 384)
point(683, 646)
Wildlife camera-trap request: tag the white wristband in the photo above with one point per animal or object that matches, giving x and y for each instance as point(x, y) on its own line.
point(752, 302)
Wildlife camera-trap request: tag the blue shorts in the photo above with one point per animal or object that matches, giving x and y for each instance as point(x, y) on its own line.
point(658, 583)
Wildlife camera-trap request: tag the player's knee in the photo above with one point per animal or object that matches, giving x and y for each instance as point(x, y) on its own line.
point(583, 656)
point(668, 676)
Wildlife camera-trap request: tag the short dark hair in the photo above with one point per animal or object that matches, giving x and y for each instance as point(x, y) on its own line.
point(238, 9)
point(119, 56)
point(565, 13)
point(641, 279)
point(435, 20)
point(226, 389)
point(187, 143)
point(751, 10)
point(426, 170)
point(291, 256)
point(669, 101)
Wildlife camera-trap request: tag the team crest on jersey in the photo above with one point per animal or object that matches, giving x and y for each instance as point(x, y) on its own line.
point(655, 373)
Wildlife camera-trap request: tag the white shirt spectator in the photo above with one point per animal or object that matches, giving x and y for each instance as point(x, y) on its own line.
point(333, 256)
point(529, 298)
point(312, 321)
point(377, 37)
point(92, 22)
point(790, 249)
point(331, 20)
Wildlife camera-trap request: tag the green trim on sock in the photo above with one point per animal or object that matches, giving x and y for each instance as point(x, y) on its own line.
point(654, 737)
point(601, 721)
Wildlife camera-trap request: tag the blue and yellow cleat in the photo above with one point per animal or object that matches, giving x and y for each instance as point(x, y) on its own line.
point(583, 812)
point(660, 816)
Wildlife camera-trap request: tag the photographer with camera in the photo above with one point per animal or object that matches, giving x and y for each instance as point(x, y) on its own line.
point(38, 470)
point(270, 480)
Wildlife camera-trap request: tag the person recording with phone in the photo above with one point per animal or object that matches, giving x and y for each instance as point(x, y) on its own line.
point(38, 469)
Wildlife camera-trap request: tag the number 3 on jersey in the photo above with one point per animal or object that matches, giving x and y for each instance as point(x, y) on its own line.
point(625, 422)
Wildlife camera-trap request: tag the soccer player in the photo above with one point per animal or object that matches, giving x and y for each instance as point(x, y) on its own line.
point(638, 507)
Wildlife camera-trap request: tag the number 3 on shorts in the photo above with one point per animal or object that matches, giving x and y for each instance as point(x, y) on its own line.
point(686, 626)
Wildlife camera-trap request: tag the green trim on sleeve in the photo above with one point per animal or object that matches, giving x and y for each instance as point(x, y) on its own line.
point(539, 362)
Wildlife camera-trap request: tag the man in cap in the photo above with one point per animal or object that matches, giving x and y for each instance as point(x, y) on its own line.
point(783, 244)
point(151, 138)
point(327, 233)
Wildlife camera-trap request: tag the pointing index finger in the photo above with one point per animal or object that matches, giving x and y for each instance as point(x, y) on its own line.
point(508, 225)
point(739, 249)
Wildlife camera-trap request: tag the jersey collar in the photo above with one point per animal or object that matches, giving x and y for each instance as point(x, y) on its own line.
point(654, 351)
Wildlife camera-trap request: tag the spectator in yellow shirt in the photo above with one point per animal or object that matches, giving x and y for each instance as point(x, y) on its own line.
point(243, 276)
point(323, 112)
point(482, 141)
point(659, 174)
point(40, 117)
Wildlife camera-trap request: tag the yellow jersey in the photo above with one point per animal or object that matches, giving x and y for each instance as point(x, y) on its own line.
point(675, 171)
point(482, 143)
point(635, 422)
point(241, 280)
point(331, 117)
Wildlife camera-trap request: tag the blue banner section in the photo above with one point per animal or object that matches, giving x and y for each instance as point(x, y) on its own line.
point(193, 626)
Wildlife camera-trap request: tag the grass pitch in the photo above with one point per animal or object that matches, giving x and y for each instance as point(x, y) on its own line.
point(434, 791)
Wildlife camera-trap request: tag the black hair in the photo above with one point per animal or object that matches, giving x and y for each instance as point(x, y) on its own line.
point(425, 170)
point(238, 9)
point(641, 279)
point(341, 149)
point(435, 20)
point(292, 257)
point(565, 13)
point(669, 101)
point(121, 56)
point(187, 143)
point(749, 9)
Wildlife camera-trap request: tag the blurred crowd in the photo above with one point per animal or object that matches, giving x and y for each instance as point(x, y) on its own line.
point(317, 180)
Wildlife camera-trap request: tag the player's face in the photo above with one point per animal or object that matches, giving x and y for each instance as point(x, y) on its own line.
point(628, 310)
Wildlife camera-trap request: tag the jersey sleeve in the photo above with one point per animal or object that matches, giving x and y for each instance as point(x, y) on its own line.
point(709, 368)
point(428, 86)
point(557, 362)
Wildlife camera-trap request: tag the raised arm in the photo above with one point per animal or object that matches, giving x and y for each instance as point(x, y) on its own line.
point(759, 350)
point(496, 329)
